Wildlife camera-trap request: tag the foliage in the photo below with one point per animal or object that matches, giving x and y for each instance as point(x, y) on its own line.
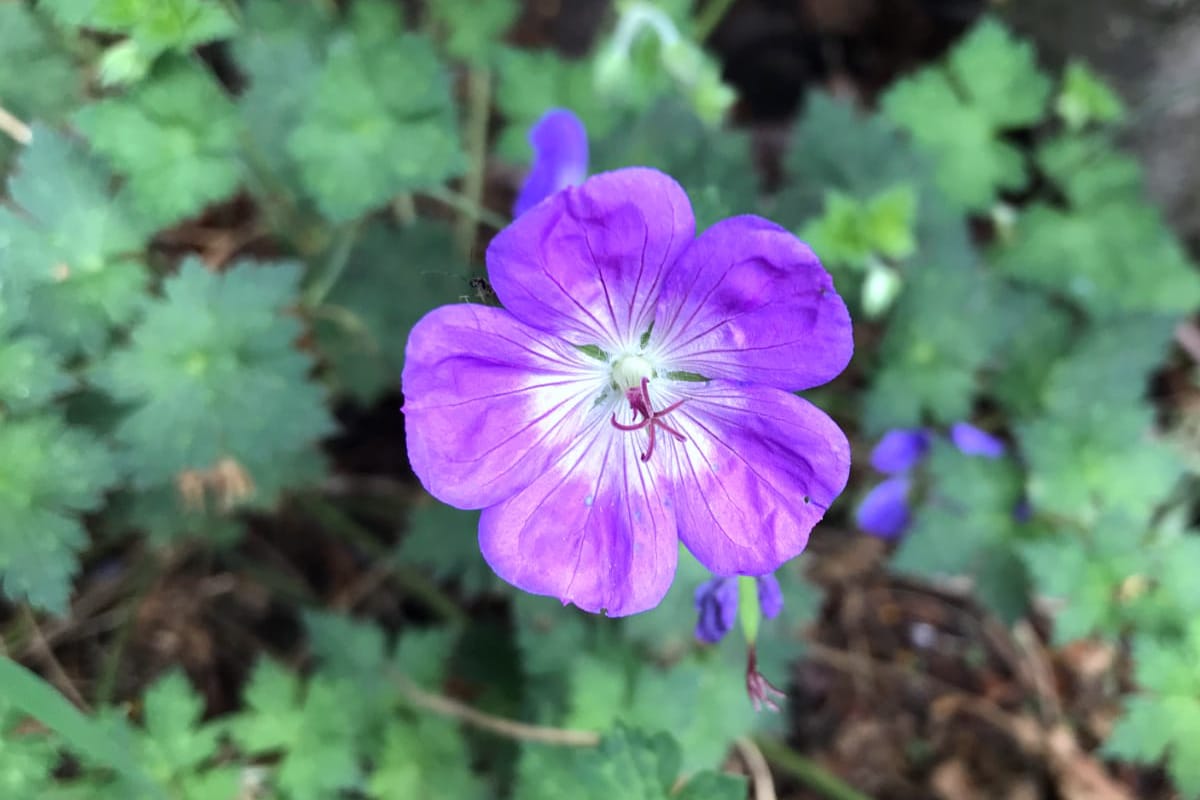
point(210, 261)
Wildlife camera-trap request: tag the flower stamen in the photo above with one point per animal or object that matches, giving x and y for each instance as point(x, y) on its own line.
point(639, 401)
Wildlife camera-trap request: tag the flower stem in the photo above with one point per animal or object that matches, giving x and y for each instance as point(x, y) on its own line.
point(479, 107)
point(521, 731)
point(807, 771)
point(708, 19)
point(327, 273)
point(464, 205)
point(17, 130)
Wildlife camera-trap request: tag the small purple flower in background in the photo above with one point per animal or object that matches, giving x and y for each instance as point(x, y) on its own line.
point(634, 391)
point(560, 158)
point(717, 605)
point(884, 512)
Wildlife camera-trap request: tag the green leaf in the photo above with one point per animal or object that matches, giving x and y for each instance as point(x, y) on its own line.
point(1111, 259)
point(834, 147)
point(444, 541)
point(530, 82)
point(176, 138)
point(1081, 466)
point(972, 163)
point(1164, 720)
point(72, 245)
point(156, 25)
point(854, 233)
point(27, 758)
point(215, 381)
point(379, 122)
point(1036, 333)
point(47, 85)
point(990, 83)
point(29, 694)
point(931, 359)
point(964, 524)
point(52, 473)
point(392, 279)
point(1090, 171)
point(474, 28)
point(627, 764)
point(1000, 76)
point(425, 758)
point(315, 728)
point(174, 743)
point(1084, 98)
point(30, 374)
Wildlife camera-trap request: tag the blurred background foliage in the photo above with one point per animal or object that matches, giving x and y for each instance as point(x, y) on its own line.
point(219, 222)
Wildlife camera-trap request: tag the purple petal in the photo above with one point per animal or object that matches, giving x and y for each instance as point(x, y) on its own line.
point(900, 449)
point(770, 596)
point(972, 441)
point(749, 301)
point(560, 158)
point(758, 470)
point(587, 264)
point(716, 607)
point(884, 511)
point(592, 530)
point(488, 404)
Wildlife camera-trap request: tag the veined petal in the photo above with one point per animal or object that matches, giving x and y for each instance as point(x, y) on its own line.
point(758, 471)
point(884, 511)
point(591, 530)
point(588, 263)
point(489, 404)
point(748, 301)
point(560, 158)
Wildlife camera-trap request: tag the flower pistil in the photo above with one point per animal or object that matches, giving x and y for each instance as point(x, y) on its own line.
point(639, 401)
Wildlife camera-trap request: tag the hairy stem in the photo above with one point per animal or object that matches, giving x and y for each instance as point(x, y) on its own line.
point(479, 106)
point(807, 771)
point(708, 19)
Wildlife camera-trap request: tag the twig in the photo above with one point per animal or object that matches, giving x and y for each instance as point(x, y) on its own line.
point(17, 130)
point(521, 731)
point(479, 105)
point(807, 771)
point(464, 205)
point(757, 766)
point(58, 676)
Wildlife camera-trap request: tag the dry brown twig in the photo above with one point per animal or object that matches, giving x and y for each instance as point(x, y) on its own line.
point(757, 766)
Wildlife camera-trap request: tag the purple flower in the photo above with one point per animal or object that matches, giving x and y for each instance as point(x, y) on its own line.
point(884, 512)
point(560, 158)
point(717, 605)
point(576, 416)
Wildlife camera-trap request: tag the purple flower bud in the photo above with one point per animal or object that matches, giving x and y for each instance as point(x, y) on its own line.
point(900, 449)
point(770, 596)
point(972, 441)
point(560, 158)
point(884, 511)
point(717, 605)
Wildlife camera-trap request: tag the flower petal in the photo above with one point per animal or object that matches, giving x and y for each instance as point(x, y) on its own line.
point(560, 158)
point(591, 530)
point(884, 511)
point(972, 441)
point(758, 471)
point(488, 403)
point(716, 603)
point(588, 263)
point(770, 596)
point(748, 301)
point(900, 449)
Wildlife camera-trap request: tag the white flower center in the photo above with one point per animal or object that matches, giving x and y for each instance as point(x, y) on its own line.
point(628, 371)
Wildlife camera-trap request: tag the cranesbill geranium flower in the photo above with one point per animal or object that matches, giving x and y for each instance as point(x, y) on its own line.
point(884, 512)
point(635, 391)
point(560, 158)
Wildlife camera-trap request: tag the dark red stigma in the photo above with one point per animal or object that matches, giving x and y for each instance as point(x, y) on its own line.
point(639, 401)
